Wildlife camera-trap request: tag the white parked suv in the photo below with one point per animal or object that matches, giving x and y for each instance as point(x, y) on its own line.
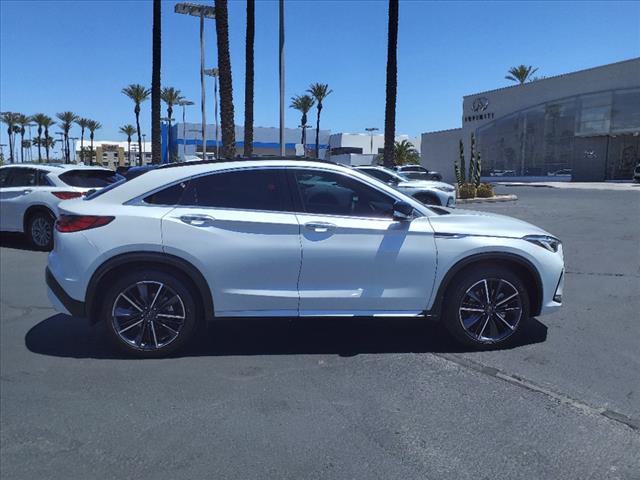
point(30, 194)
point(154, 257)
point(429, 192)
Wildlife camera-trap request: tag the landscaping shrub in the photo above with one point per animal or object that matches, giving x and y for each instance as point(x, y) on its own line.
point(485, 190)
point(467, 190)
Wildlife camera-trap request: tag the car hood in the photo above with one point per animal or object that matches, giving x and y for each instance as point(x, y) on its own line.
point(470, 222)
point(427, 184)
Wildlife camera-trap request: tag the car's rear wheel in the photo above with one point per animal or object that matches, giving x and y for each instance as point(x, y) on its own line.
point(486, 306)
point(150, 313)
point(40, 230)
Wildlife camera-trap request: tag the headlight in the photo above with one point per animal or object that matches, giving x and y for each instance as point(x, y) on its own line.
point(545, 241)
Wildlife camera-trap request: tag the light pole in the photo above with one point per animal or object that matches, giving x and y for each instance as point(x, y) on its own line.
point(62, 153)
point(144, 139)
point(304, 138)
point(213, 72)
point(371, 130)
point(202, 11)
point(183, 104)
point(281, 60)
point(75, 139)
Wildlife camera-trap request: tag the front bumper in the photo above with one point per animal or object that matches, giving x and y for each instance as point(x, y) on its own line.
point(61, 299)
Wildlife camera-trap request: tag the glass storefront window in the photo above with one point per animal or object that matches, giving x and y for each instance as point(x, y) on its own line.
point(625, 116)
point(595, 114)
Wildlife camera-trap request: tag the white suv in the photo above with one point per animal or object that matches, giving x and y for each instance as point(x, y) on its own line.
point(30, 194)
point(154, 257)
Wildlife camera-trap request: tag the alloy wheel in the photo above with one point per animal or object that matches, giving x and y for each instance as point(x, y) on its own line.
point(490, 310)
point(41, 231)
point(148, 315)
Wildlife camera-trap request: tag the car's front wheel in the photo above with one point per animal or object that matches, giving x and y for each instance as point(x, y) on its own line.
point(149, 313)
point(486, 305)
point(40, 230)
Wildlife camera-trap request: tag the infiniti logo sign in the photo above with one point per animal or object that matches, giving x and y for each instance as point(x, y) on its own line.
point(480, 104)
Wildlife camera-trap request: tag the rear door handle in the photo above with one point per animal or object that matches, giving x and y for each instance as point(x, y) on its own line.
point(320, 227)
point(198, 220)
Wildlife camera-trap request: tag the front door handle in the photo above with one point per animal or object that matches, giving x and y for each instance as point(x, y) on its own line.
point(198, 220)
point(27, 191)
point(320, 227)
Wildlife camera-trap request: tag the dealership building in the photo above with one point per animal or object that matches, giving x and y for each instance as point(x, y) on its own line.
point(580, 126)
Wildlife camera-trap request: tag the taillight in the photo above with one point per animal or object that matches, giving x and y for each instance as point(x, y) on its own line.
point(77, 223)
point(67, 195)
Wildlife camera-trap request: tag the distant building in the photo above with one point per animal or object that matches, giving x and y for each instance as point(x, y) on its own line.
point(186, 140)
point(583, 125)
point(113, 154)
point(360, 148)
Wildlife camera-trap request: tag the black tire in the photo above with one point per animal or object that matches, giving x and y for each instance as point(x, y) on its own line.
point(427, 199)
point(158, 334)
point(503, 329)
point(40, 230)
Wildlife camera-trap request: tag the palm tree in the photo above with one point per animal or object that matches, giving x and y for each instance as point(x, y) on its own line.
point(47, 122)
point(128, 130)
point(156, 139)
point(248, 78)
point(319, 91)
point(48, 143)
point(404, 153)
point(10, 120)
point(40, 119)
point(303, 103)
point(83, 123)
point(392, 84)
point(521, 73)
point(226, 87)
point(66, 121)
point(171, 96)
point(92, 125)
point(138, 94)
point(22, 122)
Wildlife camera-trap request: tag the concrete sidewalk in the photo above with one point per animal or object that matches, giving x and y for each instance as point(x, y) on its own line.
point(614, 186)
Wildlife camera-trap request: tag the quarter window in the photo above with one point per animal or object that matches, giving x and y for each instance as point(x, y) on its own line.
point(334, 194)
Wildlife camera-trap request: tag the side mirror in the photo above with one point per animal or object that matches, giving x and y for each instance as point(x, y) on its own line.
point(402, 211)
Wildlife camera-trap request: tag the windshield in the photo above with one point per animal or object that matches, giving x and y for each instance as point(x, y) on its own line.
point(90, 178)
point(385, 175)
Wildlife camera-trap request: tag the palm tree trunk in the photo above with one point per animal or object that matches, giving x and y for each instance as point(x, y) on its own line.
point(82, 145)
point(10, 133)
point(67, 149)
point(318, 130)
point(22, 146)
point(91, 157)
point(137, 112)
point(46, 145)
point(39, 144)
point(156, 140)
point(129, 149)
point(392, 84)
point(169, 116)
point(248, 79)
point(226, 87)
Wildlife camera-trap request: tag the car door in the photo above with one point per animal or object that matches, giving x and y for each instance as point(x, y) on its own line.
point(356, 259)
point(15, 193)
point(238, 227)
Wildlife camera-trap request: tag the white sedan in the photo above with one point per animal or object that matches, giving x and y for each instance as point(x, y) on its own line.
point(154, 257)
point(30, 194)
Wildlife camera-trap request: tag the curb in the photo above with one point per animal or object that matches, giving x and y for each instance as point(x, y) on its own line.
point(496, 199)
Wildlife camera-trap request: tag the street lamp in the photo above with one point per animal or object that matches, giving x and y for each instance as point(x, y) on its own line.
point(281, 71)
point(75, 139)
point(371, 130)
point(213, 72)
point(202, 11)
point(183, 104)
point(62, 152)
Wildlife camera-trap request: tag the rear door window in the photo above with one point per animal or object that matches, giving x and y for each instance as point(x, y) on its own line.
point(22, 177)
point(90, 178)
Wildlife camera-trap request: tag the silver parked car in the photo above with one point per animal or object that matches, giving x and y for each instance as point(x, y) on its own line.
point(418, 172)
point(426, 191)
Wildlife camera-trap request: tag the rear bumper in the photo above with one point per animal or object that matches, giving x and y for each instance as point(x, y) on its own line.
point(72, 306)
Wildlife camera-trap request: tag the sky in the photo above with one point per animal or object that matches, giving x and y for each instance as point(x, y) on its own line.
point(78, 55)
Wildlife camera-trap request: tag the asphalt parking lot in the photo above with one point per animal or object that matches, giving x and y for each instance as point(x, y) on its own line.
point(341, 398)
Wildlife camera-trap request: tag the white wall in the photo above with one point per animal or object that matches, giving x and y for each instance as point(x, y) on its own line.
point(439, 152)
point(363, 140)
